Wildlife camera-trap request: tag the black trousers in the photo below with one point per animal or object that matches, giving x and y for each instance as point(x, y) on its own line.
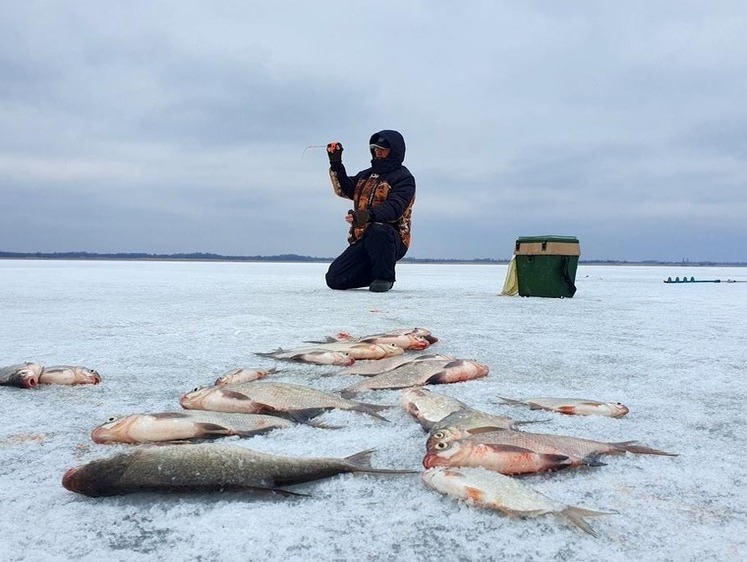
point(372, 257)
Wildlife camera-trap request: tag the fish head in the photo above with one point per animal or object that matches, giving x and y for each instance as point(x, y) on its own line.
point(447, 453)
point(343, 359)
point(424, 333)
point(444, 434)
point(417, 343)
point(28, 375)
point(113, 429)
point(195, 398)
point(96, 478)
point(84, 375)
point(392, 350)
point(617, 410)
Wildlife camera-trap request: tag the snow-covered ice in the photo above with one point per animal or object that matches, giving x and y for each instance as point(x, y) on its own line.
point(675, 354)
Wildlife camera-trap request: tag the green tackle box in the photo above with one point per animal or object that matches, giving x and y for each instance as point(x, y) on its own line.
point(546, 265)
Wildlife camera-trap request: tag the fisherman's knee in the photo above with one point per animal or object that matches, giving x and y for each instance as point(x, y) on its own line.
point(333, 282)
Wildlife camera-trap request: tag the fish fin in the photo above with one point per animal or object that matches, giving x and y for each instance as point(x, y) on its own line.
point(207, 428)
point(236, 395)
point(437, 378)
point(298, 416)
point(484, 429)
point(372, 410)
point(576, 516)
point(361, 459)
point(278, 351)
point(568, 410)
point(633, 447)
point(525, 422)
point(535, 406)
point(170, 415)
point(253, 432)
point(322, 425)
point(272, 370)
point(361, 462)
point(551, 457)
point(284, 492)
point(348, 393)
point(512, 402)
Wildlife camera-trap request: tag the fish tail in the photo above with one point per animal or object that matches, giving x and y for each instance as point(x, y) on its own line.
point(526, 422)
point(372, 410)
point(511, 401)
point(278, 351)
point(322, 425)
point(576, 516)
point(361, 462)
point(633, 447)
point(348, 393)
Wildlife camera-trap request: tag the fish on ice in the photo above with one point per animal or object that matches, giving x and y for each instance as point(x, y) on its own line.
point(184, 426)
point(420, 373)
point(355, 350)
point(506, 459)
point(261, 397)
point(22, 375)
point(378, 366)
point(573, 406)
point(407, 338)
point(432, 409)
point(69, 375)
point(489, 489)
point(243, 374)
point(207, 468)
point(580, 451)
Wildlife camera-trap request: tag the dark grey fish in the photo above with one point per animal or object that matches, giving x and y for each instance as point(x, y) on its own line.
point(207, 468)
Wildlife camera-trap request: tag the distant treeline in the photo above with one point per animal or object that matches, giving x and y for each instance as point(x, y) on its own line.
point(203, 256)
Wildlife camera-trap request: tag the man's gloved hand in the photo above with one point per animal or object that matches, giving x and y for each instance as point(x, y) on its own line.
point(360, 217)
point(334, 151)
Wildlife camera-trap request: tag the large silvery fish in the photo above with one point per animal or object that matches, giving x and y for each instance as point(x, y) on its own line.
point(577, 449)
point(378, 366)
point(354, 349)
point(420, 373)
point(506, 459)
point(69, 375)
point(243, 374)
point(301, 402)
point(508, 495)
point(573, 406)
point(184, 426)
point(23, 375)
point(206, 468)
point(432, 409)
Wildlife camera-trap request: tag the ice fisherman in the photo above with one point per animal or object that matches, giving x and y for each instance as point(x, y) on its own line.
point(380, 221)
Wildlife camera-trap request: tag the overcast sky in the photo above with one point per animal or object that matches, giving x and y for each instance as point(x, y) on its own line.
point(183, 126)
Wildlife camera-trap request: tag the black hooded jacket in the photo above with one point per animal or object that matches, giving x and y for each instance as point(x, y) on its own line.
point(386, 189)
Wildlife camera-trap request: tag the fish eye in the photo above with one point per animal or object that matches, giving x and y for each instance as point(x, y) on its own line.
point(195, 389)
point(441, 445)
point(111, 419)
point(439, 435)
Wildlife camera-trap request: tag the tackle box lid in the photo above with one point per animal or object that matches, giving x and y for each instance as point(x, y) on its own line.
point(547, 245)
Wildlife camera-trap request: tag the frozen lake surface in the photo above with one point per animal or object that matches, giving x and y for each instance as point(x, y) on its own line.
point(676, 355)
